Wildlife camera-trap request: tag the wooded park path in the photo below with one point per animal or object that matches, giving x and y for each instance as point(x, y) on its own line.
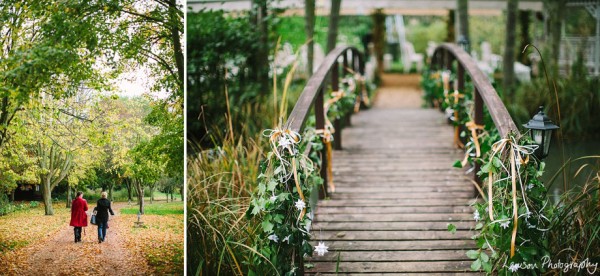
point(60, 255)
point(396, 191)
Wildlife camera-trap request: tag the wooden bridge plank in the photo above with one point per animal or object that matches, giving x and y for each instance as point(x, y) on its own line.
point(395, 202)
point(396, 267)
point(368, 189)
point(324, 210)
point(399, 245)
point(393, 256)
point(390, 225)
point(393, 235)
point(396, 193)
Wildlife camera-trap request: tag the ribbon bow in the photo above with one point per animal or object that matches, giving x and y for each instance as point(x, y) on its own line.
point(282, 140)
point(516, 153)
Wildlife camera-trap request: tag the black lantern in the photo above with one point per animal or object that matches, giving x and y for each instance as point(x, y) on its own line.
point(540, 128)
point(463, 42)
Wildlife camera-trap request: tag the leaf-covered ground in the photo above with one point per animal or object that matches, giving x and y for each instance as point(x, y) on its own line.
point(34, 244)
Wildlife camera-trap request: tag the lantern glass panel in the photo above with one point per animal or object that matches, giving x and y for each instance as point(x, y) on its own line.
point(537, 136)
point(548, 136)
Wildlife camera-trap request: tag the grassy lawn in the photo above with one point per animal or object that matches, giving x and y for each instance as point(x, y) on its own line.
point(156, 208)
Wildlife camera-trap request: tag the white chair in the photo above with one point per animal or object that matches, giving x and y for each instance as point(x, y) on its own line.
point(522, 72)
point(409, 57)
point(488, 57)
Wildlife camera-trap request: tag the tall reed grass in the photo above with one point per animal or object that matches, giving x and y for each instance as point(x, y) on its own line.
point(575, 221)
point(221, 180)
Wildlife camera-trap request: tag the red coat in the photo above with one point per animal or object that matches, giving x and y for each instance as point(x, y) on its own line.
point(78, 215)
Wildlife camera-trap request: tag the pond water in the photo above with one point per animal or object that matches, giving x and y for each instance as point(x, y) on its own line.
point(573, 150)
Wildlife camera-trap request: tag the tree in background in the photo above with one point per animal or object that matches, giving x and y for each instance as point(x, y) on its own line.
point(379, 38)
point(55, 48)
point(524, 22)
point(555, 18)
point(260, 58)
point(508, 67)
point(65, 140)
point(309, 29)
point(145, 170)
point(462, 8)
point(450, 30)
point(45, 44)
point(334, 19)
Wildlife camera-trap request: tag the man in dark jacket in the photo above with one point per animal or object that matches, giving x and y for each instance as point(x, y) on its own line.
point(78, 215)
point(103, 208)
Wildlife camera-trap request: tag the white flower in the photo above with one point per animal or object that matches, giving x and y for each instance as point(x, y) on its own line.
point(287, 239)
point(273, 198)
point(274, 238)
point(284, 142)
point(476, 215)
point(321, 249)
point(514, 267)
point(300, 204)
point(505, 224)
point(530, 186)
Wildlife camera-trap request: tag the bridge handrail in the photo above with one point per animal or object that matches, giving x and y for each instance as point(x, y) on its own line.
point(484, 92)
point(313, 96)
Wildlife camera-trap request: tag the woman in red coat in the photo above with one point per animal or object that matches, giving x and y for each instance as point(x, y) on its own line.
point(78, 215)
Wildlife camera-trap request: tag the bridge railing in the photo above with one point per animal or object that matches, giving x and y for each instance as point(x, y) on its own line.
point(339, 62)
point(484, 93)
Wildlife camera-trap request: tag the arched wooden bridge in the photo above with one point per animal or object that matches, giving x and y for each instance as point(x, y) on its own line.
point(395, 188)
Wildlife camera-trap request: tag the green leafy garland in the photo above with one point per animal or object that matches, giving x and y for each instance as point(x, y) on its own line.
point(289, 175)
point(513, 234)
point(284, 185)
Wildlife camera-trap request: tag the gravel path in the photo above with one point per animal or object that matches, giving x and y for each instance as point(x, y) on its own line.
point(59, 255)
point(399, 91)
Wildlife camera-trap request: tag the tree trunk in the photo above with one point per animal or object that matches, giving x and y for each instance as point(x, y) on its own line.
point(509, 49)
point(524, 19)
point(450, 31)
point(260, 59)
point(177, 49)
point(309, 28)
point(334, 19)
point(110, 190)
point(69, 196)
point(379, 39)
point(47, 196)
point(151, 194)
point(463, 18)
point(556, 11)
point(140, 191)
point(129, 190)
point(12, 194)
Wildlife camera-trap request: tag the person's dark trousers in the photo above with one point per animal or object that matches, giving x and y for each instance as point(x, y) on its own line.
point(77, 231)
point(101, 231)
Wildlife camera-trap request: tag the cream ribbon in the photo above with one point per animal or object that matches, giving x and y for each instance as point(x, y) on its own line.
point(515, 154)
point(327, 137)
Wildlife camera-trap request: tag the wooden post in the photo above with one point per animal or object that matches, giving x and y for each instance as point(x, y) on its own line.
point(320, 124)
point(345, 64)
point(460, 76)
point(479, 121)
point(335, 86)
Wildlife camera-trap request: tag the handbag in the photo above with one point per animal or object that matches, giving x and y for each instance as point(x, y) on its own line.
point(93, 218)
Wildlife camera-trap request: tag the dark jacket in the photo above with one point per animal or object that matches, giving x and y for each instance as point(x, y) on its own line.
point(102, 208)
point(78, 215)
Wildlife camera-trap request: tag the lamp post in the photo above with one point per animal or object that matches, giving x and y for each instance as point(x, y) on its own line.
point(540, 128)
